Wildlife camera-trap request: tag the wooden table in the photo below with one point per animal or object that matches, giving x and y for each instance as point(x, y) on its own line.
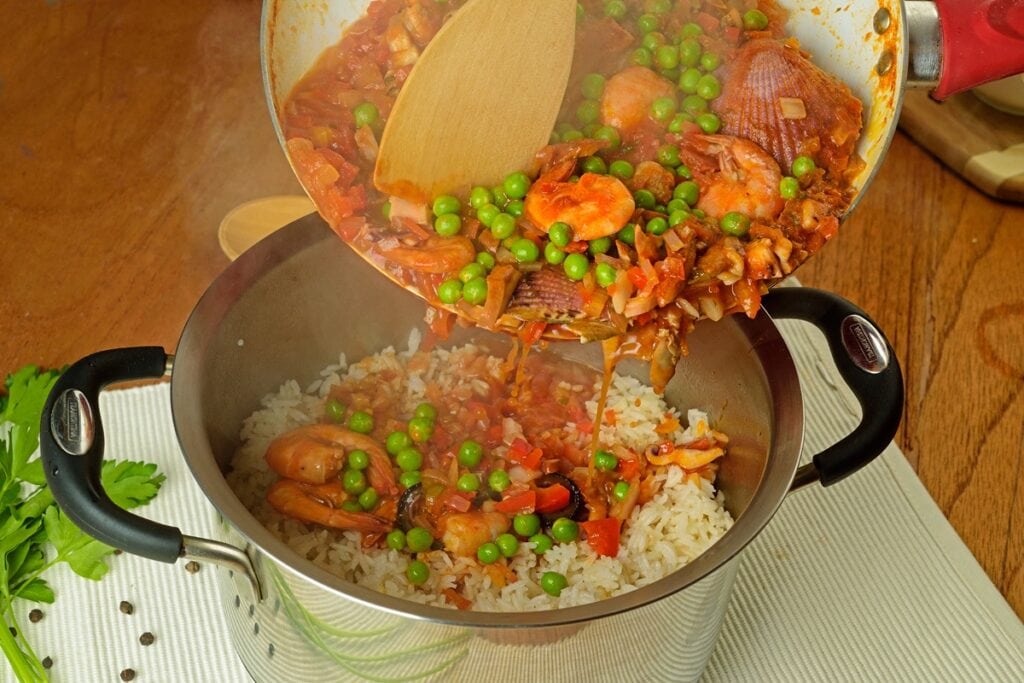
point(127, 130)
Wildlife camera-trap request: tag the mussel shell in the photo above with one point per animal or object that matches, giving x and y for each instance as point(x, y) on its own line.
point(549, 296)
point(409, 504)
point(576, 509)
point(764, 70)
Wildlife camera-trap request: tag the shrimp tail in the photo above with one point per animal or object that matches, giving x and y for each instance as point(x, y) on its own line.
point(314, 504)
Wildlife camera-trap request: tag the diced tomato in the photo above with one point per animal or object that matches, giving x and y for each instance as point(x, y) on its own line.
point(627, 469)
point(518, 448)
point(610, 417)
point(456, 500)
point(552, 498)
point(603, 536)
point(576, 247)
point(708, 22)
point(637, 277)
point(732, 34)
point(518, 503)
point(532, 332)
point(585, 426)
point(457, 599)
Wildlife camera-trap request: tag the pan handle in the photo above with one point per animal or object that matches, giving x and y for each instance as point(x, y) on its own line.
point(975, 41)
point(867, 364)
point(71, 445)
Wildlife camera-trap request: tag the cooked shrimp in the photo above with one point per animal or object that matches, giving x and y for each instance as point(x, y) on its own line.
point(436, 255)
point(628, 95)
point(314, 454)
point(319, 504)
point(596, 206)
point(464, 532)
point(747, 178)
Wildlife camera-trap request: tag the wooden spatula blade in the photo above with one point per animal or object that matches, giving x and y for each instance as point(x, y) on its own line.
point(481, 100)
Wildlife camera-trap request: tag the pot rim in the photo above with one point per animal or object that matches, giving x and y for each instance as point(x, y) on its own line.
point(767, 347)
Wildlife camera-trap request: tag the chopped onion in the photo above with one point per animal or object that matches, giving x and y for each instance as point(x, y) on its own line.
point(673, 243)
point(402, 208)
point(792, 108)
point(623, 290)
point(367, 143)
point(640, 305)
point(711, 307)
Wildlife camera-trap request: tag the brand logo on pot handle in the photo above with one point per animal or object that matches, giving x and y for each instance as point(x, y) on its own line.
point(864, 344)
point(71, 422)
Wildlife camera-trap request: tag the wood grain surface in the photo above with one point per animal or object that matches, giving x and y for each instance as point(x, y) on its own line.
point(128, 130)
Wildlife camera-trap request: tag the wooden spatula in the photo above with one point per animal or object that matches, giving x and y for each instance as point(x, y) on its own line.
point(481, 100)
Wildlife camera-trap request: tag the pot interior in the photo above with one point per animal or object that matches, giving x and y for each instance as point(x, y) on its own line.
point(288, 307)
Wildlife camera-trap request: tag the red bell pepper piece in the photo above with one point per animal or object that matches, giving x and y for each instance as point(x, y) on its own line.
point(628, 469)
point(518, 503)
point(708, 22)
point(603, 536)
point(552, 498)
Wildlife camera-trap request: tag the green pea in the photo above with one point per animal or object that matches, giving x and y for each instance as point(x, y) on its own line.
point(385, 210)
point(487, 213)
point(479, 196)
point(572, 135)
point(425, 410)
point(409, 479)
point(708, 122)
point(678, 217)
point(676, 205)
point(605, 461)
point(498, 480)
point(641, 57)
point(515, 208)
point(609, 135)
point(468, 482)
point(418, 539)
point(580, 12)
point(802, 166)
point(588, 111)
point(647, 23)
point(620, 490)
point(553, 255)
point(590, 129)
point(663, 108)
point(670, 74)
point(366, 114)
point(351, 506)
point(560, 234)
point(694, 104)
point(409, 459)
point(689, 79)
point(446, 204)
point(576, 266)
point(508, 545)
point(368, 499)
point(525, 250)
point(420, 428)
point(599, 246)
point(594, 165)
point(486, 259)
point(449, 291)
point(361, 422)
point(541, 543)
point(689, 52)
point(620, 168)
point(470, 271)
point(397, 441)
point(605, 274)
point(503, 225)
point(627, 234)
point(734, 223)
point(755, 20)
point(684, 172)
point(488, 553)
point(653, 40)
point(335, 410)
point(616, 9)
point(500, 196)
point(358, 459)
point(657, 225)
point(709, 61)
point(789, 188)
point(667, 57)
point(668, 155)
point(516, 185)
point(475, 291)
point(526, 525)
point(417, 572)
point(553, 583)
point(354, 482)
point(688, 191)
point(699, 214)
point(645, 199)
point(396, 540)
point(658, 6)
point(692, 30)
point(678, 121)
point(564, 530)
point(470, 453)
point(554, 138)
point(593, 86)
point(708, 87)
point(448, 225)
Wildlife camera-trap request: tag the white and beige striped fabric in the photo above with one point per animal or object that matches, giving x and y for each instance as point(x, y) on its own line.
point(862, 581)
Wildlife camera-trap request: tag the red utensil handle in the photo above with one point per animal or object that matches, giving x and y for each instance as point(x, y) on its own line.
point(981, 41)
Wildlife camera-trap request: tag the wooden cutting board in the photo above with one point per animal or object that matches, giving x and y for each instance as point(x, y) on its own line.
point(982, 144)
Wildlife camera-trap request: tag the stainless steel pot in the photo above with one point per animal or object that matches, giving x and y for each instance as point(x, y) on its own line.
point(287, 307)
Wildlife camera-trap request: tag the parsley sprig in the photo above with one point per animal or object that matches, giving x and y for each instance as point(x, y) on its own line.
point(34, 534)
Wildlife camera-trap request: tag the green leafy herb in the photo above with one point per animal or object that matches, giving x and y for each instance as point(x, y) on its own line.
point(34, 533)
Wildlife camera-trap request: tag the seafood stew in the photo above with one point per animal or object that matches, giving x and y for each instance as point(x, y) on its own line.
point(700, 156)
point(462, 478)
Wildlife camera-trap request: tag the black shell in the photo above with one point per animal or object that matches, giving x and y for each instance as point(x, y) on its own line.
point(408, 505)
point(576, 509)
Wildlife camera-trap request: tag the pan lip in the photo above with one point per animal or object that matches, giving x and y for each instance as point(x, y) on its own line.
point(766, 345)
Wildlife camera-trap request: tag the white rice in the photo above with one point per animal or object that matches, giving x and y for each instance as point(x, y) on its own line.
point(682, 520)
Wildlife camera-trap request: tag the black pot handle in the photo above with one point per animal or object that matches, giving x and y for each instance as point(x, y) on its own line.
point(866, 362)
point(71, 444)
